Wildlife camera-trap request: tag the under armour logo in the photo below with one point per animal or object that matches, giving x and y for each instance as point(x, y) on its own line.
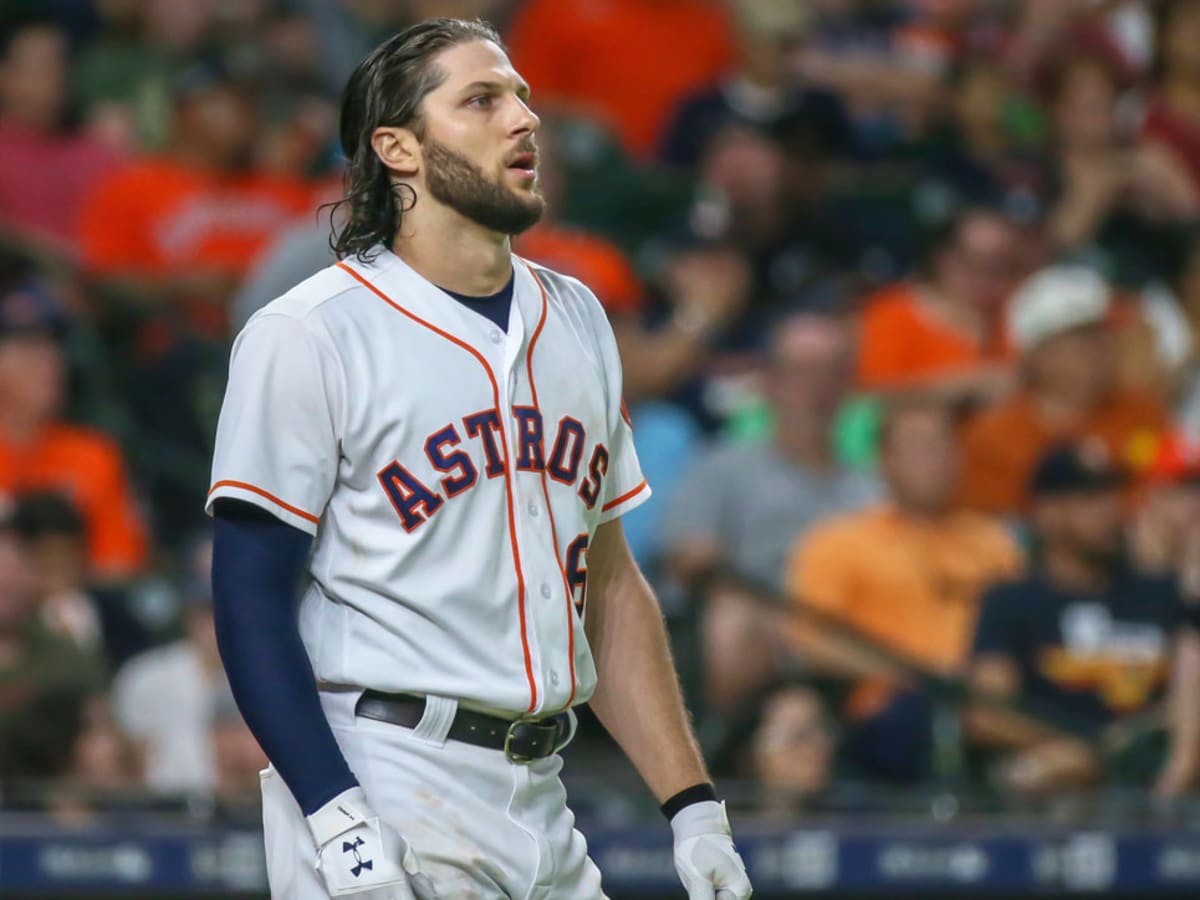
point(359, 862)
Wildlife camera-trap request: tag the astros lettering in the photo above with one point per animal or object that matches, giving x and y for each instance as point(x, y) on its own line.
point(416, 499)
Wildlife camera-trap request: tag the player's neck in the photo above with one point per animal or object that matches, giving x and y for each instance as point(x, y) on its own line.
point(454, 253)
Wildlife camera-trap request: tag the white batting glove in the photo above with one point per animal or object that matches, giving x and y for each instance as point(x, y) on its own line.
point(359, 856)
point(708, 865)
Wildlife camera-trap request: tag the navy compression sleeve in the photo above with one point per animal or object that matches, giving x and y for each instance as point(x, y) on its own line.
point(257, 565)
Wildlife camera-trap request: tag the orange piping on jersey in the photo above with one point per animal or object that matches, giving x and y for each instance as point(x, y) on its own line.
point(546, 493)
point(257, 490)
point(611, 503)
point(508, 469)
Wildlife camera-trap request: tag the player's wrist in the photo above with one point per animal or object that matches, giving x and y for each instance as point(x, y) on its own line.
point(347, 810)
point(690, 796)
point(358, 854)
point(705, 819)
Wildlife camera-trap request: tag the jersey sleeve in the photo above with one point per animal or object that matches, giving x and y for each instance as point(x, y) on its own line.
point(625, 487)
point(277, 444)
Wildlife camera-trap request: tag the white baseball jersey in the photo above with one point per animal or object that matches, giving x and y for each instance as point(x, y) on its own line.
point(452, 475)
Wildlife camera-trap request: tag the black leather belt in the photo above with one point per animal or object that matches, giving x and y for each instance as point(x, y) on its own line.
point(522, 740)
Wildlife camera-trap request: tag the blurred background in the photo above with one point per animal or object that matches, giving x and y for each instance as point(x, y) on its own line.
point(908, 298)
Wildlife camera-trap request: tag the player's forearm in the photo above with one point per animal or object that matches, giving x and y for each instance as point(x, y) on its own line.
point(638, 697)
point(256, 564)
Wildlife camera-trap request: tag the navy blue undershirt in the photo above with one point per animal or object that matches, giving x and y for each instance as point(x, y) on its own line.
point(494, 307)
point(258, 562)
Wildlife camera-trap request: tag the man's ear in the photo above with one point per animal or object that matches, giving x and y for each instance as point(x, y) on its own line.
point(398, 149)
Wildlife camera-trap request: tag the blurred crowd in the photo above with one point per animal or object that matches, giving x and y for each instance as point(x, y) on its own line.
point(908, 299)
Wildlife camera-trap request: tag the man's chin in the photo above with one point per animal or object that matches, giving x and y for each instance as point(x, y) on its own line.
point(520, 212)
point(535, 206)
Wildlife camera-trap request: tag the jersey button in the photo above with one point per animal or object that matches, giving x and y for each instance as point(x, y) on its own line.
point(554, 678)
point(533, 509)
point(495, 337)
point(546, 591)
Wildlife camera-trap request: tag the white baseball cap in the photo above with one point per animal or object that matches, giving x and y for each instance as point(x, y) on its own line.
point(1056, 299)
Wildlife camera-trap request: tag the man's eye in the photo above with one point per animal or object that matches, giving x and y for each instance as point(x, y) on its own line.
point(482, 102)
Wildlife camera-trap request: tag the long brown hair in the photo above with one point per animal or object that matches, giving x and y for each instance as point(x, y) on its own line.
point(386, 89)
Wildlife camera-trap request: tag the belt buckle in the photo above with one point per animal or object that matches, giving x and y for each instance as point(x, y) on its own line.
point(509, 753)
point(512, 754)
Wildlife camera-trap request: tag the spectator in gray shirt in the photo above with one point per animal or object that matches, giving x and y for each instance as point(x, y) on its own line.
point(742, 505)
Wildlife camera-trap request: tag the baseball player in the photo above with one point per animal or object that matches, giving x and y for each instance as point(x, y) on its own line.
point(430, 435)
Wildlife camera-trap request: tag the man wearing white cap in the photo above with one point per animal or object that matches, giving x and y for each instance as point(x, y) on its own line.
point(1060, 320)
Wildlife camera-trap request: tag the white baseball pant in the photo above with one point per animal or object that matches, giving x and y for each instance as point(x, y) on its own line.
point(482, 827)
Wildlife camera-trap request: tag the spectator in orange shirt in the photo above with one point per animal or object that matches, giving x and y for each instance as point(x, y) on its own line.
point(915, 591)
point(625, 62)
point(905, 574)
point(185, 226)
point(1060, 322)
point(39, 452)
point(945, 330)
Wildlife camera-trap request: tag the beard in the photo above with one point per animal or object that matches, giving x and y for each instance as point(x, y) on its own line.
point(458, 183)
